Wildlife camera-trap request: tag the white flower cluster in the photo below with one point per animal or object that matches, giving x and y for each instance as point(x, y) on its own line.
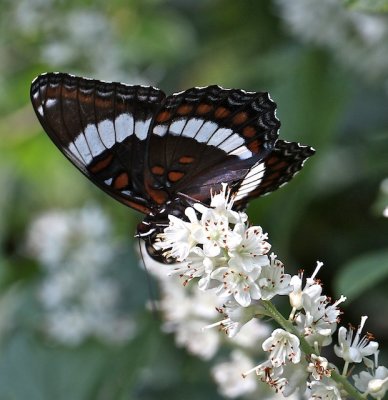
point(79, 297)
point(187, 310)
point(230, 261)
point(224, 252)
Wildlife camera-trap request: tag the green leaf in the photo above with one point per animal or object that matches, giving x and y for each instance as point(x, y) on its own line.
point(368, 5)
point(361, 274)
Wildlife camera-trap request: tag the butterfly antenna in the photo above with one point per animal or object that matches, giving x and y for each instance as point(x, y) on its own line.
point(154, 308)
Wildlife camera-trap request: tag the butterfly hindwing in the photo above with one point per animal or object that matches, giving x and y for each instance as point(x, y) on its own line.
point(278, 168)
point(101, 127)
point(203, 136)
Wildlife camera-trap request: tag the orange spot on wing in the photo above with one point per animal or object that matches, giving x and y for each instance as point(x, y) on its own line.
point(280, 165)
point(121, 181)
point(272, 160)
point(204, 108)
point(249, 131)
point(157, 170)
point(186, 160)
point(240, 118)
point(159, 196)
point(163, 116)
point(255, 146)
point(174, 176)
point(221, 112)
point(273, 176)
point(101, 164)
point(184, 109)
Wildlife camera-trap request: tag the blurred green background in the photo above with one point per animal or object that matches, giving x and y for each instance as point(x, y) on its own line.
point(325, 64)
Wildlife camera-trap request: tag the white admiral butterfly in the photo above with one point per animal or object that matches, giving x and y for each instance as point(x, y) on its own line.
point(157, 153)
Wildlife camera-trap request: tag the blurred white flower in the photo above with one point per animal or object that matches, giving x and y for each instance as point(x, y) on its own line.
point(358, 39)
point(66, 237)
point(385, 212)
point(228, 376)
point(320, 390)
point(79, 298)
point(374, 383)
point(251, 333)
point(186, 311)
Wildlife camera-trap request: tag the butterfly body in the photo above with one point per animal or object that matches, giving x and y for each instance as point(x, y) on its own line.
point(159, 154)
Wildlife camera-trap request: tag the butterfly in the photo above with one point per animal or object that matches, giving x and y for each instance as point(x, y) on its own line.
point(159, 154)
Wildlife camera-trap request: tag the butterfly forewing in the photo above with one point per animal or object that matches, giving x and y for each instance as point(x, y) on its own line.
point(101, 127)
point(202, 134)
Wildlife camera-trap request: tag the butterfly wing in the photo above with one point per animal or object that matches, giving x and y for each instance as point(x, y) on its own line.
point(204, 136)
point(101, 128)
point(278, 168)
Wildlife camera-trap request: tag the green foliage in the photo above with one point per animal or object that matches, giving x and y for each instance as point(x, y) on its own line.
point(362, 274)
point(368, 5)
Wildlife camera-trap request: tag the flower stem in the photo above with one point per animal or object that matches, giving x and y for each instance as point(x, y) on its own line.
point(308, 350)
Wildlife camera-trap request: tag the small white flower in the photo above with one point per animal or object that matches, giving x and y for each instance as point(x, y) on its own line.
point(296, 294)
point(177, 239)
point(320, 318)
point(240, 285)
point(319, 367)
point(283, 346)
point(273, 281)
point(269, 374)
point(235, 317)
point(320, 391)
point(222, 203)
point(311, 287)
point(215, 233)
point(351, 347)
point(228, 376)
point(197, 265)
point(315, 331)
point(249, 252)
